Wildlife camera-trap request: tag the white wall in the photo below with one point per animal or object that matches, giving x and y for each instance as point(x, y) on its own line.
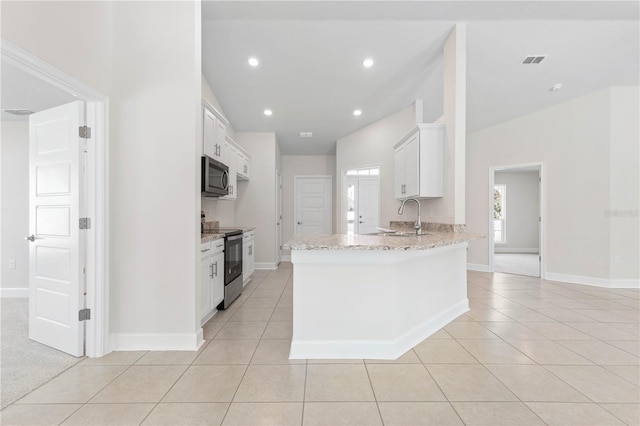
point(302, 165)
point(522, 207)
point(14, 153)
point(256, 202)
point(146, 57)
point(155, 173)
point(451, 207)
point(624, 185)
point(224, 211)
point(373, 146)
point(75, 37)
point(573, 142)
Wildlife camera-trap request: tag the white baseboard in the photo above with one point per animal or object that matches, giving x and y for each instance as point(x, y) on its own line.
point(625, 283)
point(517, 250)
point(375, 349)
point(17, 292)
point(286, 258)
point(156, 341)
point(266, 265)
point(591, 281)
point(478, 267)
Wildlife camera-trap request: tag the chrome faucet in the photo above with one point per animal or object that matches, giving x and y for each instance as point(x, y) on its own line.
point(418, 225)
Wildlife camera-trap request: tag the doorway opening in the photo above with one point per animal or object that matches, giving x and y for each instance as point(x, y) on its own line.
point(93, 271)
point(516, 220)
point(362, 192)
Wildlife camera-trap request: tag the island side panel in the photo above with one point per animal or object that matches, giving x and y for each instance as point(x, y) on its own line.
point(373, 303)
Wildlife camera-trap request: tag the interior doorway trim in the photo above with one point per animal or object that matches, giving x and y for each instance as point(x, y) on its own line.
point(542, 195)
point(97, 265)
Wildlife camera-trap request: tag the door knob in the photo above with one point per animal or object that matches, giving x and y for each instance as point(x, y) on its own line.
point(299, 223)
point(32, 238)
point(362, 221)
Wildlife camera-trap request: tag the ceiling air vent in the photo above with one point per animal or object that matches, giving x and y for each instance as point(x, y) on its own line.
point(306, 134)
point(18, 111)
point(532, 60)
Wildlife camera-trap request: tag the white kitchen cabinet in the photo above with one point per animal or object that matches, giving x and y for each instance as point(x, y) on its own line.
point(211, 278)
point(213, 133)
point(248, 255)
point(244, 165)
point(419, 163)
point(232, 155)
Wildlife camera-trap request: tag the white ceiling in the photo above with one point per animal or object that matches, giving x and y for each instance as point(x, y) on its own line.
point(21, 90)
point(311, 52)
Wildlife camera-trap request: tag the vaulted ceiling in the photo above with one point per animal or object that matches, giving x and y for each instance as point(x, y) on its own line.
point(311, 74)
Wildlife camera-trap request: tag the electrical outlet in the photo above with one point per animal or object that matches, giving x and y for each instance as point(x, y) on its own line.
point(12, 264)
point(617, 259)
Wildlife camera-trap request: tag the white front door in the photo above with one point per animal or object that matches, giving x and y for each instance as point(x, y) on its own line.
point(313, 205)
point(56, 247)
point(368, 205)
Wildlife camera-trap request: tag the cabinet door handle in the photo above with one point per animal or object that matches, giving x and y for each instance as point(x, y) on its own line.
point(211, 266)
point(245, 169)
point(202, 251)
point(216, 270)
point(250, 250)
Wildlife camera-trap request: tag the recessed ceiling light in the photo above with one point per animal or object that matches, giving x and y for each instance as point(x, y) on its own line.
point(253, 61)
point(357, 112)
point(367, 63)
point(555, 87)
point(268, 112)
point(306, 134)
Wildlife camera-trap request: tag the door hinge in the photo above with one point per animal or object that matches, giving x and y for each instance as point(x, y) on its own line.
point(84, 314)
point(84, 132)
point(85, 223)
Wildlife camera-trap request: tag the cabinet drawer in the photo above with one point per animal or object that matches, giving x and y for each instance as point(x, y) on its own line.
point(205, 250)
point(217, 246)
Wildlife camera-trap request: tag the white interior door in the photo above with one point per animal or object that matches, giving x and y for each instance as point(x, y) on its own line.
point(313, 205)
point(278, 217)
point(56, 247)
point(368, 205)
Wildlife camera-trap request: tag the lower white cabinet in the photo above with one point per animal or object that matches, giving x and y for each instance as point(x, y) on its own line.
point(248, 255)
point(211, 278)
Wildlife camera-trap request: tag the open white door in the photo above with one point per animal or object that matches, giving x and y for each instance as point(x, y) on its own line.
point(56, 252)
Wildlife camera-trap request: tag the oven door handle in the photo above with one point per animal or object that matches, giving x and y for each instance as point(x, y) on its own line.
point(234, 237)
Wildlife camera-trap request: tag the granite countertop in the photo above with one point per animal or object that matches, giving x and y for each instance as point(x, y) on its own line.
point(378, 242)
point(212, 234)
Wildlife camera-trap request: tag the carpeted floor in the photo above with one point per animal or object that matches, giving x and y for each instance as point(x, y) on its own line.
point(517, 263)
point(25, 364)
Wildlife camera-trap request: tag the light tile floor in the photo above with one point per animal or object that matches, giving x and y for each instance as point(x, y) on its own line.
point(528, 352)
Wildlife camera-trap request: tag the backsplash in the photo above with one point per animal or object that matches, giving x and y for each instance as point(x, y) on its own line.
point(427, 226)
point(211, 225)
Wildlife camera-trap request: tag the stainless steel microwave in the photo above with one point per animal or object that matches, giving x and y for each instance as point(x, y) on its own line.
point(215, 178)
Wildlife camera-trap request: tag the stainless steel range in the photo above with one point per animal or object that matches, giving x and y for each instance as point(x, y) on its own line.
point(232, 264)
point(232, 267)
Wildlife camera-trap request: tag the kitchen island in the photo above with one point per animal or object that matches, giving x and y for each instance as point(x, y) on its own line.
point(374, 296)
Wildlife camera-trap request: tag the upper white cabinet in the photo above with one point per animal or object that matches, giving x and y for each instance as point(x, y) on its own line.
point(419, 162)
point(213, 133)
point(244, 165)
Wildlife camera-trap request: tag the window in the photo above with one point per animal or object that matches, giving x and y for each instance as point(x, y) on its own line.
point(499, 214)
